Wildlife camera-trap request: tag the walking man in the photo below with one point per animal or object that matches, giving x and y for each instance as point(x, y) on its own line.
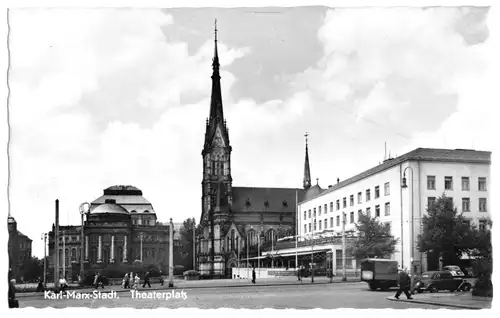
point(146, 280)
point(404, 284)
point(253, 275)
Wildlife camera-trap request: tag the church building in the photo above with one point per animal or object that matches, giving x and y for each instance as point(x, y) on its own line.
point(237, 223)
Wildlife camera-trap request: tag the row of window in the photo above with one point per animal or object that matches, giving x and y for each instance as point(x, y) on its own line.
point(309, 227)
point(387, 191)
point(465, 203)
point(448, 183)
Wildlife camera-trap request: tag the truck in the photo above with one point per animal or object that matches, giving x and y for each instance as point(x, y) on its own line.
point(379, 273)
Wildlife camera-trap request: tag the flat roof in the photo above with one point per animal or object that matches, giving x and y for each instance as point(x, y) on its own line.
point(419, 154)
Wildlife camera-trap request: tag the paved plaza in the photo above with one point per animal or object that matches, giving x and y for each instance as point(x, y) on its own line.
point(306, 296)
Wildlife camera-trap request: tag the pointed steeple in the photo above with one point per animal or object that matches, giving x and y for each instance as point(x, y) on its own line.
point(216, 112)
point(307, 170)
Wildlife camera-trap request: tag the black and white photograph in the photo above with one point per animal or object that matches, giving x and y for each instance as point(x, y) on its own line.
point(257, 156)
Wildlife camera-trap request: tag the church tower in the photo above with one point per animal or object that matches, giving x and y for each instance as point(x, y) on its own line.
point(217, 181)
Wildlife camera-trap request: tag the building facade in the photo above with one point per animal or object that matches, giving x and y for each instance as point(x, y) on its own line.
point(398, 192)
point(19, 247)
point(235, 222)
point(120, 230)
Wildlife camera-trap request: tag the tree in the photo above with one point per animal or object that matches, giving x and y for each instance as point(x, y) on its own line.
point(445, 234)
point(374, 239)
point(31, 269)
point(185, 249)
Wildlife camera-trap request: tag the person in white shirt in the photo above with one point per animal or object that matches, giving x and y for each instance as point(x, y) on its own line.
point(63, 285)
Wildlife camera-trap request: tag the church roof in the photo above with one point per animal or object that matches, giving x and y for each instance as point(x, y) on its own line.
point(265, 199)
point(312, 192)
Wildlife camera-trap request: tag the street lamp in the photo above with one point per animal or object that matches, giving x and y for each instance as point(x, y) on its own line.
point(44, 238)
point(84, 209)
point(170, 256)
point(404, 186)
point(344, 273)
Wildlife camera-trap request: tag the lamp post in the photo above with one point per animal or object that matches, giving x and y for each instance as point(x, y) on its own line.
point(312, 247)
point(194, 245)
point(344, 273)
point(64, 255)
point(84, 209)
point(170, 255)
point(44, 238)
point(404, 186)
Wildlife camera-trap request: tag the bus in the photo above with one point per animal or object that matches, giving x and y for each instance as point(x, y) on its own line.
point(379, 273)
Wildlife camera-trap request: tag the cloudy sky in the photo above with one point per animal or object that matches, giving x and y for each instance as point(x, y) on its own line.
point(120, 96)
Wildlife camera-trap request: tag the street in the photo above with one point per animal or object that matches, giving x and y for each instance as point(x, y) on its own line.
point(307, 296)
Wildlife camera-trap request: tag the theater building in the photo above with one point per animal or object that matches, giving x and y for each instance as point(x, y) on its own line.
point(120, 230)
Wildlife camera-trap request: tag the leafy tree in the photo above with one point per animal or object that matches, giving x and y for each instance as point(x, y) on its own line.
point(373, 240)
point(31, 269)
point(184, 254)
point(446, 233)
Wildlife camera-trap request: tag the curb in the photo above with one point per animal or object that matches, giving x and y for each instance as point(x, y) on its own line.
point(34, 294)
point(417, 301)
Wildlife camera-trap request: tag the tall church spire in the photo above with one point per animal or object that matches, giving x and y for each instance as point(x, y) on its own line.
point(216, 112)
point(307, 170)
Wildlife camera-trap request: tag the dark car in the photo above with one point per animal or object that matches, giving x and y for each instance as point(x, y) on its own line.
point(435, 281)
point(454, 270)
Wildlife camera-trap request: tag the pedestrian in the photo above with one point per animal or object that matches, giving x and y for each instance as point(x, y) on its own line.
point(404, 282)
point(253, 275)
point(63, 285)
point(137, 281)
point(131, 280)
point(146, 280)
point(98, 281)
point(126, 281)
point(40, 287)
point(162, 281)
point(298, 274)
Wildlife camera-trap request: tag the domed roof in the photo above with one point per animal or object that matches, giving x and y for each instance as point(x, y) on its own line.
point(110, 207)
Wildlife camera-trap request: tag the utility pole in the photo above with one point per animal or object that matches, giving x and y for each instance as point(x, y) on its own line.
point(44, 259)
point(64, 255)
point(247, 243)
point(194, 245)
point(56, 247)
point(344, 274)
point(312, 248)
point(170, 255)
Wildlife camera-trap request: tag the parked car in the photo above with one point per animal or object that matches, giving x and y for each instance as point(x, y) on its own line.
point(435, 281)
point(454, 270)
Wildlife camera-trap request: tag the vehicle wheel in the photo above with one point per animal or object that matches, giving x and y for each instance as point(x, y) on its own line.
point(373, 286)
point(466, 287)
point(420, 291)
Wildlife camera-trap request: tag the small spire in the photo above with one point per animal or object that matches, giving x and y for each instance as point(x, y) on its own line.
point(317, 181)
point(307, 170)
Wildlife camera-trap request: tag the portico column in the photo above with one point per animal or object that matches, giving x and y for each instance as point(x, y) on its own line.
point(99, 250)
point(112, 260)
point(86, 247)
point(125, 249)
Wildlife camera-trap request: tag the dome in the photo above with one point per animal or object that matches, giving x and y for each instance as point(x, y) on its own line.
point(110, 207)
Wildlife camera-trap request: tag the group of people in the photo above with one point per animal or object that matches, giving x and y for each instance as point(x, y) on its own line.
point(133, 281)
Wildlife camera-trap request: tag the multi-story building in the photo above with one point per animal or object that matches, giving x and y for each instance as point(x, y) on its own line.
point(19, 247)
point(398, 192)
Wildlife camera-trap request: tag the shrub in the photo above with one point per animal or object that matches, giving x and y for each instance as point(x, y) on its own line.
point(191, 273)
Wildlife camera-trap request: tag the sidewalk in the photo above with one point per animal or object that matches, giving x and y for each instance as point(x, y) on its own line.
point(215, 283)
point(463, 300)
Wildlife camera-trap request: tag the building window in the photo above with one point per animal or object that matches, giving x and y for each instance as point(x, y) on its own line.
point(345, 202)
point(319, 210)
point(351, 215)
point(368, 212)
point(338, 220)
point(368, 195)
point(431, 182)
point(315, 228)
point(326, 209)
point(338, 205)
point(377, 211)
point(482, 184)
point(359, 213)
point(377, 192)
point(320, 225)
point(430, 202)
point(314, 213)
point(465, 205)
point(387, 208)
point(331, 206)
point(331, 221)
point(351, 200)
point(309, 213)
point(482, 225)
point(309, 227)
point(359, 197)
point(482, 204)
point(465, 184)
point(305, 228)
point(326, 223)
point(305, 215)
point(466, 222)
point(448, 183)
point(387, 188)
